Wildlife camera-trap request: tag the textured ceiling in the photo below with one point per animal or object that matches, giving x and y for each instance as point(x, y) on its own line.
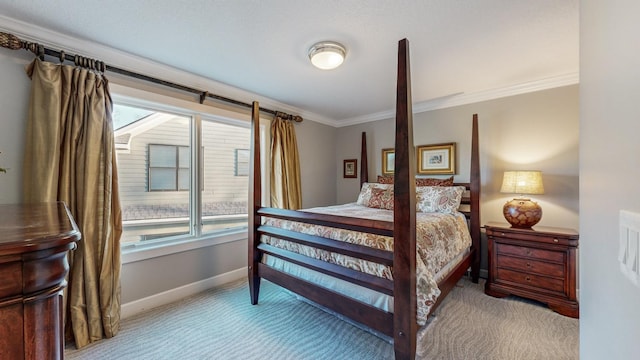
point(457, 46)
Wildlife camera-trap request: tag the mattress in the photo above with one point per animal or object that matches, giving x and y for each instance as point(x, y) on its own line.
point(442, 240)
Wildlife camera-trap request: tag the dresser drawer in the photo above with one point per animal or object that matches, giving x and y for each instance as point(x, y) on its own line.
point(541, 282)
point(10, 279)
point(533, 266)
point(555, 256)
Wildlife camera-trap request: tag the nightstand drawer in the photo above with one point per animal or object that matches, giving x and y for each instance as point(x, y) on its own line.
point(523, 251)
point(542, 282)
point(528, 265)
point(556, 240)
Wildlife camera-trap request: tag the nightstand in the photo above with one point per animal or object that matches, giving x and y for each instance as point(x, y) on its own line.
point(537, 263)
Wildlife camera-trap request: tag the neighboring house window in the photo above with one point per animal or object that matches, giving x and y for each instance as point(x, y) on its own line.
point(242, 162)
point(168, 167)
point(158, 172)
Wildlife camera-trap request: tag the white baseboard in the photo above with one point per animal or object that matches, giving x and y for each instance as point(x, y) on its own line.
point(484, 273)
point(166, 297)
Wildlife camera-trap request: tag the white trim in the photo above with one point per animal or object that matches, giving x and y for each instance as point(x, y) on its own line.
point(137, 306)
point(471, 98)
point(162, 248)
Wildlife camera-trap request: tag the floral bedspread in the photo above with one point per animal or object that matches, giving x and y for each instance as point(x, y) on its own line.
point(440, 238)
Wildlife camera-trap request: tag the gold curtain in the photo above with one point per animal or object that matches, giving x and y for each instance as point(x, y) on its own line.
point(70, 156)
point(286, 190)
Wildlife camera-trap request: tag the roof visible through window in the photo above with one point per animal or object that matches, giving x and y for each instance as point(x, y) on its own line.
point(125, 115)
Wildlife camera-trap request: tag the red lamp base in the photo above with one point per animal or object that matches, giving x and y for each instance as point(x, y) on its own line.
point(522, 213)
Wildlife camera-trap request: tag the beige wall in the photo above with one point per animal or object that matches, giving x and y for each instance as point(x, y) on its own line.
point(531, 131)
point(14, 95)
point(150, 277)
point(317, 147)
point(609, 173)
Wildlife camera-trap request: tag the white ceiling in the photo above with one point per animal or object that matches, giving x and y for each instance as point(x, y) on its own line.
point(457, 46)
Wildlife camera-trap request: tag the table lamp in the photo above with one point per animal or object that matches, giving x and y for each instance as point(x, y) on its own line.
point(521, 212)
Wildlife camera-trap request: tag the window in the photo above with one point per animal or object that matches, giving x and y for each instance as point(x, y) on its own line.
point(158, 171)
point(242, 162)
point(168, 167)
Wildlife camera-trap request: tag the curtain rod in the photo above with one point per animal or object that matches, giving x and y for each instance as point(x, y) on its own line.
point(12, 42)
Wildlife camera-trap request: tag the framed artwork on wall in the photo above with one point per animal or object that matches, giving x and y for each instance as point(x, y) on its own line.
point(437, 159)
point(388, 161)
point(349, 168)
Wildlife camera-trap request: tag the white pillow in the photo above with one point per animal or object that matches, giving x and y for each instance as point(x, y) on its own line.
point(442, 199)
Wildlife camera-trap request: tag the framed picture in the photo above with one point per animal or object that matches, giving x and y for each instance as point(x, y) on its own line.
point(437, 159)
point(388, 161)
point(349, 168)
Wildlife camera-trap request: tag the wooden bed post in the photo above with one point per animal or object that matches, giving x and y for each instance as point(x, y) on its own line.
point(364, 167)
point(475, 184)
point(402, 323)
point(404, 216)
point(255, 199)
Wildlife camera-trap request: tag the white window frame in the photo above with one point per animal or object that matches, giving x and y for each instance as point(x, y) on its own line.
point(129, 96)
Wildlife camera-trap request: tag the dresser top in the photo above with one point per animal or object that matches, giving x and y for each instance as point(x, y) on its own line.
point(31, 227)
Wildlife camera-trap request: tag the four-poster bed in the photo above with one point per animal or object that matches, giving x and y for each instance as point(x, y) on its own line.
point(400, 321)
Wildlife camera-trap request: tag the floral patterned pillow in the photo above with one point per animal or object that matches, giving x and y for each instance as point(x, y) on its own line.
point(434, 182)
point(442, 199)
point(365, 192)
point(381, 199)
point(385, 179)
point(419, 181)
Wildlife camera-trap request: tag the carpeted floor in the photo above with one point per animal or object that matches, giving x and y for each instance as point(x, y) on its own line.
point(222, 324)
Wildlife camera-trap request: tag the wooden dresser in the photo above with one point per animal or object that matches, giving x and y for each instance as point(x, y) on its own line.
point(538, 263)
point(34, 241)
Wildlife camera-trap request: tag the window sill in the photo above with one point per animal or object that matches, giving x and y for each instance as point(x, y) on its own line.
point(148, 251)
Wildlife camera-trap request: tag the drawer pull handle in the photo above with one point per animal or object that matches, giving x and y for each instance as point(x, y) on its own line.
point(528, 265)
point(501, 234)
point(555, 240)
point(528, 278)
point(528, 252)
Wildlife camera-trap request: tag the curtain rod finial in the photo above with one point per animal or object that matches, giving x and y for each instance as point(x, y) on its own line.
point(10, 41)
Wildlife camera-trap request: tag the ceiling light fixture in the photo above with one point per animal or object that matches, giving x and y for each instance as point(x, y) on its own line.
point(327, 55)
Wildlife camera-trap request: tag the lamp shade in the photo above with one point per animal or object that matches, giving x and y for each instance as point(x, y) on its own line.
point(327, 55)
point(522, 182)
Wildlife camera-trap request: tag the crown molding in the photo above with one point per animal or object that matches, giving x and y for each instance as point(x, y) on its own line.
point(458, 99)
point(134, 63)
